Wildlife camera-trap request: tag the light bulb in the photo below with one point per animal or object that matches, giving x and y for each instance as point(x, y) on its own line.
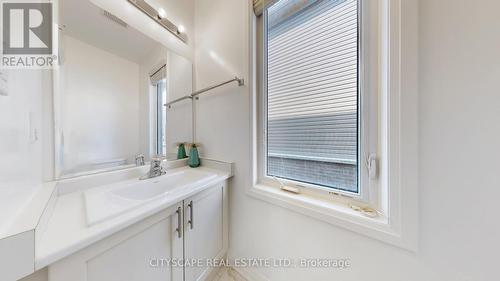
point(161, 13)
point(181, 28)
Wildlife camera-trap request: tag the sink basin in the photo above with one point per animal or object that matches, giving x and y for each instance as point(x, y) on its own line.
point(108, 201)
point(147, 189)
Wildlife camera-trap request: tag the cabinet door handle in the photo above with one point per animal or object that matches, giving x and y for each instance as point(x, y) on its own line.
point(179, 224)
point(191, 215)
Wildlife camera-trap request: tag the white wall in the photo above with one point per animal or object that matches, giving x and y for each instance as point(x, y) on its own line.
point(222, 118)
point(459, 135)
point(99, 105)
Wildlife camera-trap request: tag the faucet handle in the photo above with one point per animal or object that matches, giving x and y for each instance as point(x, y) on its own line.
point(140, 160)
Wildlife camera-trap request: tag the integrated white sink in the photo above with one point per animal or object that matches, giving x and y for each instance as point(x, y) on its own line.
point(108, 201)
point(147, 189)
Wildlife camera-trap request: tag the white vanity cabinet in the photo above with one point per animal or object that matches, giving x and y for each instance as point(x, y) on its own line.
point(205, 231)
point(195, 228)
point(126, 256)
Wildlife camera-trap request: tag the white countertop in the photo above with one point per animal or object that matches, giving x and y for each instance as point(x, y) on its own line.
point(21, 205)
point(66, 230)
point(14, 198)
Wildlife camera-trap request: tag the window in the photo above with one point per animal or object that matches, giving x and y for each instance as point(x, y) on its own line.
point(158, 112)
point(314, 99)
point(161, 117)
point(335, 93)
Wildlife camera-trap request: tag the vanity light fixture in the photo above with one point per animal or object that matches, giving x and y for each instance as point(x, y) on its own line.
point(159, 17)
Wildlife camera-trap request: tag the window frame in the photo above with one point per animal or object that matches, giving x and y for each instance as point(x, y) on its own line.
point(397, 80)
point(159, 123)
point(367, 189)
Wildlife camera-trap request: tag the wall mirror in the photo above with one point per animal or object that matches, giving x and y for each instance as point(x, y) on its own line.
point(110, 91)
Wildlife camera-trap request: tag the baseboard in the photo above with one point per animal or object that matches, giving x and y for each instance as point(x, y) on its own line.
point(246, 274)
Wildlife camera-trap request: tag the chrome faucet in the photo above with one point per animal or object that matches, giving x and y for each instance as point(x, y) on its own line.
point(155, 170)
point(139, 160)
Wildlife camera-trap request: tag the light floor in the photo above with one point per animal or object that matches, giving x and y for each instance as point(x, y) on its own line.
point(229, 275)
point(226, 277)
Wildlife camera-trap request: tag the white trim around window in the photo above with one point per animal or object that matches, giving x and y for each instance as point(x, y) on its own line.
point(397, 200)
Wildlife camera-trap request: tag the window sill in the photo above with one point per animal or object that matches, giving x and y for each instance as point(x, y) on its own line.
point(335, 213)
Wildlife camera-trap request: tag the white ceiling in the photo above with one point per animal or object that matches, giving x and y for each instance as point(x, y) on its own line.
point(83, 20)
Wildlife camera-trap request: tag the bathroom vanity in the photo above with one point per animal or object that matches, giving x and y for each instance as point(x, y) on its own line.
point(145, 231)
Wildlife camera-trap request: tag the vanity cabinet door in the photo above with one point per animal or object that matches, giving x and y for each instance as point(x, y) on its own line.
point(205, 229)
point(132, 255)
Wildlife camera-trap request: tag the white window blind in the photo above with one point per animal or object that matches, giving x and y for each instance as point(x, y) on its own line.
point(158, 73)
point(312, 94)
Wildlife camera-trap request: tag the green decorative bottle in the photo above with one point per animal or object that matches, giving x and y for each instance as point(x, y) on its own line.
point(194, 157)
point(181, 151)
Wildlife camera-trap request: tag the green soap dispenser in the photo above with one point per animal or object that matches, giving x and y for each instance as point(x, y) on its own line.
point(194, 157)
point(181, 151)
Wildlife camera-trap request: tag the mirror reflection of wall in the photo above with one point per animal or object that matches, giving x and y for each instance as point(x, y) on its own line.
point(179, 117)
point(111, 88)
